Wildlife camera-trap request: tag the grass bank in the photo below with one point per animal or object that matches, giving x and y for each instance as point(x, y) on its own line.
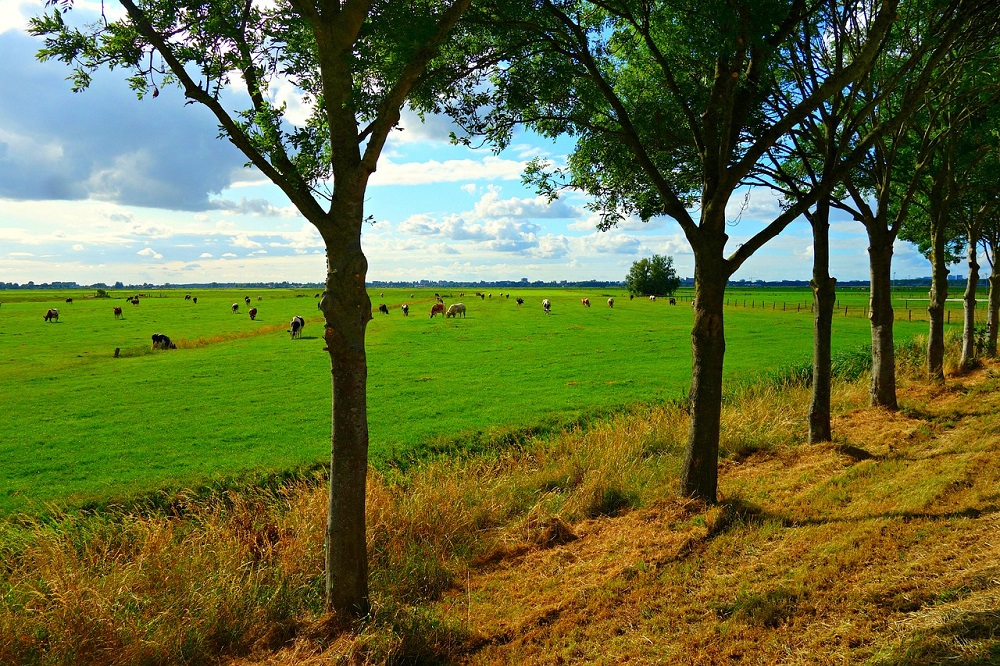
point(880, 548)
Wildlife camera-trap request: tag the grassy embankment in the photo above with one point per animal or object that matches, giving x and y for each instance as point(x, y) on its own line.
point(238, 397)
point(879, 548)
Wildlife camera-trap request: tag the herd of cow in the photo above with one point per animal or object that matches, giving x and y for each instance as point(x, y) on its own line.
point(161, 341)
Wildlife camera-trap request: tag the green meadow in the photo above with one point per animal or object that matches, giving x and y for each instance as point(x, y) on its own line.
point(239, 397)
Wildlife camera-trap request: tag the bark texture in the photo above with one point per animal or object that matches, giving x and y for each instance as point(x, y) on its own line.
point(994, 312)
point(347, 309)
point(883, 384)
point(824, 299)
point(969, 351)
point(935, 306)
point(700, 473)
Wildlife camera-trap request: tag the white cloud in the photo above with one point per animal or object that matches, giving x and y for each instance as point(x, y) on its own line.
point(433, 128)
point(149, 252)
point(243, 240)
point(78, 247)
point(11, 17)
point(448, 171)
point(205, 255)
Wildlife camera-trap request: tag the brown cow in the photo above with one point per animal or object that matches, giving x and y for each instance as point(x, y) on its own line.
point(585, 301)
point(118, 312)
point(52, 315)
point(437, 308)
point(253, 313)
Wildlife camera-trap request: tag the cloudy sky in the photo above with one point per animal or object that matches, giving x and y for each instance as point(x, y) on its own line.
point(100, 187)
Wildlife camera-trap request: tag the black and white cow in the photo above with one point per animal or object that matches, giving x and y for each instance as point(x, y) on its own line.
point(161, 341)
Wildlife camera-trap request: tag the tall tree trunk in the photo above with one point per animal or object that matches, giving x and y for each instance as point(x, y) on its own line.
point(824, 300)
point(700, 473)
point(936, 304)
point(993, 316)
point(883, 385)
point(347, 309)
point(969, 328)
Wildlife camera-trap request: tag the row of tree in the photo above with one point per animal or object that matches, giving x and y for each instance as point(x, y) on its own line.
point(673, 104)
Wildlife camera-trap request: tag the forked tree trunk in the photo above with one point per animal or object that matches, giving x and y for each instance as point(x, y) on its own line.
point(347, 309)
point(969, 299)
point(883, 384)
point(993, 315)
point(824, 300)
point(700, 473)
point(935, 307)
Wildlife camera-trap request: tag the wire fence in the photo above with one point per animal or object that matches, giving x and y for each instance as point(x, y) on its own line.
point(907, 309)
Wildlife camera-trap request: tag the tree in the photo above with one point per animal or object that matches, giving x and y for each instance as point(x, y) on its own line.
point(653, 277)
point(881, 189)
point(666, 103)
point(357, 63)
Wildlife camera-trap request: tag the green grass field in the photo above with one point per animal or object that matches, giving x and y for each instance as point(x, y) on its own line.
point(79, 424)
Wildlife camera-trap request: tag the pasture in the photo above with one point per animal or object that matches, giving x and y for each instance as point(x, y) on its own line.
point(239, 396)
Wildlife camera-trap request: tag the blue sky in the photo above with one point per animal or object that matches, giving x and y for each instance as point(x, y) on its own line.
point(100, 187)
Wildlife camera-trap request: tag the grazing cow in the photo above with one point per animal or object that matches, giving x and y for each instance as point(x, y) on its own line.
point(298, 323)
point(69, 300)
point(547, 306)
point(631, 296)
point(520, 301)
point(260, 298)
point(118, 312)
point(253, 314)
point(406, 310)
point(52, 315)
point(437, 308)
point(652, 298)
point(383, 308)
point(161, 341)
point(246, 299)
point(195, 300)
point(585, 301)
point(134, 300)
point(236, 308)
point(672, 301)
point(187, 297)
point(611, 302)
point(455, 309)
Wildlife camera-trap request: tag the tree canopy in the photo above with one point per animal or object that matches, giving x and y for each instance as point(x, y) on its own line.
point(653, 276)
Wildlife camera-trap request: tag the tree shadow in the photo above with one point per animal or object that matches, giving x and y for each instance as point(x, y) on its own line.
point(944, 644)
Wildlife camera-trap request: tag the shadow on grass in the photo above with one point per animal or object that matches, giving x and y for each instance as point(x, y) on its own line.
point(951, 643)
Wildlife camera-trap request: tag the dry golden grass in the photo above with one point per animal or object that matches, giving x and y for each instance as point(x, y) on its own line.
point(882, 547)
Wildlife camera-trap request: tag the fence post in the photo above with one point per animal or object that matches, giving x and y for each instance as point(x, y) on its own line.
point(845, 310)
point(949, 316)
point(909, 315)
